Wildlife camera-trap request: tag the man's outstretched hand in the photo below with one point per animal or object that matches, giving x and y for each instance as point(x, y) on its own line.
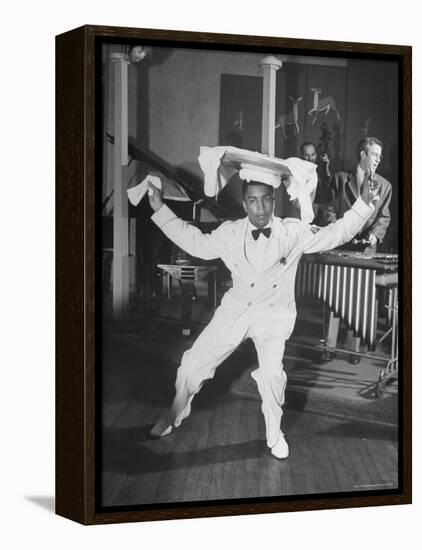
point(155, 197)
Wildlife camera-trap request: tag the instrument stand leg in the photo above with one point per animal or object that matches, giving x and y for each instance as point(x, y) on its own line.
point(390, 372)
point(332, 333)
point(168, 282)
point(331, 339)
point(353, 343)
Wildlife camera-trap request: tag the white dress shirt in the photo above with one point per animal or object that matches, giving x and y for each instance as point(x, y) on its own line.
point(360, 176)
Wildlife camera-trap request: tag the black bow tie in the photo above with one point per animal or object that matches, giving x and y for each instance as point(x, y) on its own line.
point(257, 232)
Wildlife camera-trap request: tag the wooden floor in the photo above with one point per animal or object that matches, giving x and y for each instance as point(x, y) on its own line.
point(219, 452)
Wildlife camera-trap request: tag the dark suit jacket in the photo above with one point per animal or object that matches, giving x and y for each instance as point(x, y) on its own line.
point(345, 189)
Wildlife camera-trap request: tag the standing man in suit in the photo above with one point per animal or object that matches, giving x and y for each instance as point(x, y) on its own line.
point(347, 186)
point(262, 252)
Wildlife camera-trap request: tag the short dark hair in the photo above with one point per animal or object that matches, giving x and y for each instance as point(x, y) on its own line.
point(366, 142)
point(246, 184)
point(305, 144)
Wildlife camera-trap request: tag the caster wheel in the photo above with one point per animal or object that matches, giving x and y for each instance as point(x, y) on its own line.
point(354, 359)
point(380, 388)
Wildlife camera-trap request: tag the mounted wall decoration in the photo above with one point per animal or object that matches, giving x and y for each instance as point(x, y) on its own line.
point(240, 121)
point(325, 105)
point(290, 118)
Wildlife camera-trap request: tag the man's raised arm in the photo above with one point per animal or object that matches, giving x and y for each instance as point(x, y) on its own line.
point(344, 229)
point(186, 236)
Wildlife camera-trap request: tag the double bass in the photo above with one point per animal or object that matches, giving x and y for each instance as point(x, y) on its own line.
point(324, 193)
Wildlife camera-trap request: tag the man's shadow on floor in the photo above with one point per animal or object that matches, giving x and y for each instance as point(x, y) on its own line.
point(130, 451)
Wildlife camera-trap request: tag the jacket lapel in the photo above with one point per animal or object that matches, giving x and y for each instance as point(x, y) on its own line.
point(352, 186)
point(241, 261)
point(281, 235)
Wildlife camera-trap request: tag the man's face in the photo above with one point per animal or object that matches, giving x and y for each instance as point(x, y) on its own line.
point(309, 153)
point(258, 203)
point(369, 160)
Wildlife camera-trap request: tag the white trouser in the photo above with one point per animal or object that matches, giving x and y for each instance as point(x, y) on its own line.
point(210, 349)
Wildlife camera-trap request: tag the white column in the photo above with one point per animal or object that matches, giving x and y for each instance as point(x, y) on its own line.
point(270, 66)
point(120, 64)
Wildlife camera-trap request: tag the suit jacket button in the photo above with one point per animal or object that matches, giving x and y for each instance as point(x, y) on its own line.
point(274, 286)
point(252, 284)
point(283, 261)
point(249, 304)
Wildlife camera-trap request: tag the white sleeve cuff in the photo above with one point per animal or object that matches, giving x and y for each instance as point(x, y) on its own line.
point(163, 216)
point(362, 209)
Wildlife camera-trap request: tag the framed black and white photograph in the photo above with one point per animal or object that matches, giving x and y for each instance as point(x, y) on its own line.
point(233, 223)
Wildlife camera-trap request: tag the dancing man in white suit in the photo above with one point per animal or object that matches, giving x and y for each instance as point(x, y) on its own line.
point(262, 252)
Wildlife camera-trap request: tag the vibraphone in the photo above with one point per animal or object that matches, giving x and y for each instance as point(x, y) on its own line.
point(350, 284)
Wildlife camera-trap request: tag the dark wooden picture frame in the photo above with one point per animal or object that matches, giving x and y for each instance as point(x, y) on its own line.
point(77, 263)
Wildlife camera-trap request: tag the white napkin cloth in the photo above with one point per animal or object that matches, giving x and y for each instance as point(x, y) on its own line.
point(300, 185)
point(136, 194)
point(216, 175)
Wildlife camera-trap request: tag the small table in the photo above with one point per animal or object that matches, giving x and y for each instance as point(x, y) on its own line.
point(187, 275)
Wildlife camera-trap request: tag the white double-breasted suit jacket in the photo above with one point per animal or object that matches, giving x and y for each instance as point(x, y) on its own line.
point(264, 297)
